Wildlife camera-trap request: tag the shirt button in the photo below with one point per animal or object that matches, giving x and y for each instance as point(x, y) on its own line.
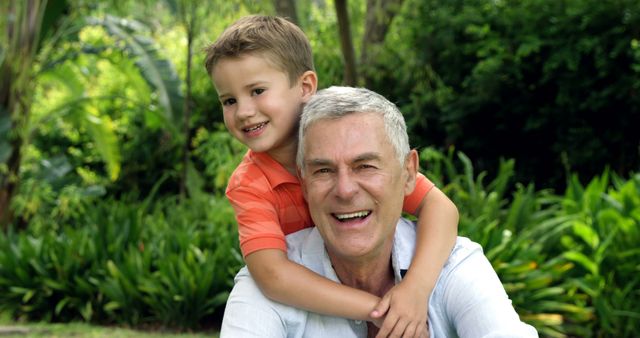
point(358, 322)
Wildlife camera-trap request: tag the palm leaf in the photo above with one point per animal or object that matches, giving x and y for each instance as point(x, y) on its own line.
point(158, 72)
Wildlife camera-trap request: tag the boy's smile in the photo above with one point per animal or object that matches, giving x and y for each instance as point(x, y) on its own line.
point(261, 107)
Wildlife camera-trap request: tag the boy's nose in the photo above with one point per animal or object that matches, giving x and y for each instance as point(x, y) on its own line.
point(246, 109)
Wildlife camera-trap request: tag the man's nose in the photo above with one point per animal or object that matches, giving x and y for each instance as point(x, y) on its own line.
point(346, 186)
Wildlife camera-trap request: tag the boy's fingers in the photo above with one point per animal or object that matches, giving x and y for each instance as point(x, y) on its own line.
point(422, 331)
point(381, 308)
point(410, 331)
point(424, 334)
point(399, 329)
point(387, 326)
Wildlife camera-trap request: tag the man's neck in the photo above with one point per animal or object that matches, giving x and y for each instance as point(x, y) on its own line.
point(374, 275)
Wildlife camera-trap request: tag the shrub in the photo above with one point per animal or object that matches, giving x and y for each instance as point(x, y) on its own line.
point(118, 263)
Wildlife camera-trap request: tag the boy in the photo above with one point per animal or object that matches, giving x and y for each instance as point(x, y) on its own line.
point(262, 68)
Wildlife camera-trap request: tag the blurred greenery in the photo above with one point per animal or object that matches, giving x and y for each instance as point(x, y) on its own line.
point(525, 111)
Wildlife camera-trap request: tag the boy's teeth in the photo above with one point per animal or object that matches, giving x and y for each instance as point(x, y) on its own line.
point(255, 127)
point(358, 214)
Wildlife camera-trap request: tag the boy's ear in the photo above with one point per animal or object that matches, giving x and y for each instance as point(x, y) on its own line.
point(309, 83)
point(304, 188)
point(411, 168)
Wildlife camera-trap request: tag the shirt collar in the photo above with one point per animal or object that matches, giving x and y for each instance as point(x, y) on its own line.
point(276, 174)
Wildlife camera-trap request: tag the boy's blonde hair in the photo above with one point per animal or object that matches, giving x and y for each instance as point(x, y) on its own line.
point(279, 41)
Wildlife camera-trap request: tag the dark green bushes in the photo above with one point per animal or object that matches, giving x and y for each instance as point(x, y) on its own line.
point(569, 263)
point(124, 262)
point(552, 84)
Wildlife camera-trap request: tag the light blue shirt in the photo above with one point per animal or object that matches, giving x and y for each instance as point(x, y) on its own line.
point(468, 299)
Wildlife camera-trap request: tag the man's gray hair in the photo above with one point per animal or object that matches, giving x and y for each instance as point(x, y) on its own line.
point(336, 102)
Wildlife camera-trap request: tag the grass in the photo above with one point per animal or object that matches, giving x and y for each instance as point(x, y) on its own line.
point(9, 329)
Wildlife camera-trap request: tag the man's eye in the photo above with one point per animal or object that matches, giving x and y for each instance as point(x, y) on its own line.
point(366, 166)
point(228, 102)
point(322, 171)
point(258, 91)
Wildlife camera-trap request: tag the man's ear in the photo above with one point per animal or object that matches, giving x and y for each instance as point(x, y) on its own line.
point(309, 84)
point(411, 170)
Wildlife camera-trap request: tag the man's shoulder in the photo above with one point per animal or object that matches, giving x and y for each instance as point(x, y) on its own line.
point(301, 243)
point(462, 250)
point(246, 301)
point(405, 243)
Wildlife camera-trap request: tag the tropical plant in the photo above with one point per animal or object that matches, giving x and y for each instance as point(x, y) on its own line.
point(21, 39)
point(169, 263)
point(516, 231)
point(603, 243)
point(30, 61)
point(550, 84)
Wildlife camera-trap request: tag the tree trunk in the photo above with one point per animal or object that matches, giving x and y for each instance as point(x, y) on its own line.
point(287, 9)
point(9, 183)
point(346, 43)
point(187, 106)
point(16, 89)
point(379, 15)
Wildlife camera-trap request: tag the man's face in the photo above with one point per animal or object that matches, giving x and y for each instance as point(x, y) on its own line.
point(354, 184)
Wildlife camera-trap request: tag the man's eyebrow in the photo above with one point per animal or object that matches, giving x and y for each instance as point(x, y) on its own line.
point(317, 162)
point(367, 157)
point(364, 157)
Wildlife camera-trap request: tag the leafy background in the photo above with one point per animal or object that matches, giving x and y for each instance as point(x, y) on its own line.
point(114, 159)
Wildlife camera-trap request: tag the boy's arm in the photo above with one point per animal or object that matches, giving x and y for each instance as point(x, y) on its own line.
point(287, 282)
point(407, 302)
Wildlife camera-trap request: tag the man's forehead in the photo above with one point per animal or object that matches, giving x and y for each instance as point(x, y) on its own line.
point(355, 120)
point(352, 138)
point(355, 158)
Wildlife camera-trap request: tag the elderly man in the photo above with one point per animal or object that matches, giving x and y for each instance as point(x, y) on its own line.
point(356, 166)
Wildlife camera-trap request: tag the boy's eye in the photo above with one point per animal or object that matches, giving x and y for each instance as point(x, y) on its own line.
point(258, 91)
point(228, 102)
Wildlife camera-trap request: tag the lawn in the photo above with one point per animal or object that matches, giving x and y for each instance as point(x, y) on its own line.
point(8, 329)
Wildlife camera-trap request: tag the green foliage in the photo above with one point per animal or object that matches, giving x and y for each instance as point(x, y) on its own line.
point(158, 72)
point(121, 262)
point(320, 28)
point(603, 243)
point(514, 231)
point(569, 263)
point(551, 84)
point(219, 153)
point(117, 124)
point(488, 77)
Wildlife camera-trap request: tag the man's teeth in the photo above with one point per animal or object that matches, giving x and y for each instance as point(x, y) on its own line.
point(255, 127)
point(359, 214)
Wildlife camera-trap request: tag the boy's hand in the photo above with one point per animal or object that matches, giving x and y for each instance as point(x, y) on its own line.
point(406, 312)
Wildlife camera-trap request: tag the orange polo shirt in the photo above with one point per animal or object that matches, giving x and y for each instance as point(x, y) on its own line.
point(269, 203)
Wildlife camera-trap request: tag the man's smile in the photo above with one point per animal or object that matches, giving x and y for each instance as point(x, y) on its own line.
point(352, 216)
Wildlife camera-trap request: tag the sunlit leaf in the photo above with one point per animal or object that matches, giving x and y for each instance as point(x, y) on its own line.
point(102, 131)
point(157, 71)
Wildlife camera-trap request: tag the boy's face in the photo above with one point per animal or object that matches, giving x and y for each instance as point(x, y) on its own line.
point(260, 107)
